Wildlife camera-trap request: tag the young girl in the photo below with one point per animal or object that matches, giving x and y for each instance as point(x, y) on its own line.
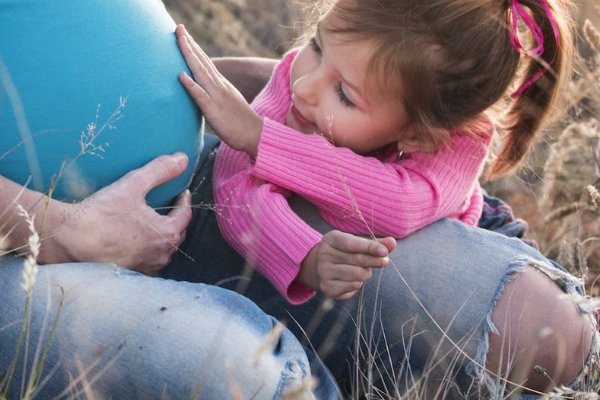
point(381, 120)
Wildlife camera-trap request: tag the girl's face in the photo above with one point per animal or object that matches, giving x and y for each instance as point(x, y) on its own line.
point(332, 96)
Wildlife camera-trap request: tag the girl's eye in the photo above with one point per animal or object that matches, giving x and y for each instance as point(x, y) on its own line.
point(343, 98)
point(314, 45)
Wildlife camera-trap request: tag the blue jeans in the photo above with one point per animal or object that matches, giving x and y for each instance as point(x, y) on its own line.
point(123, 335)
point(426, 316)
point(438, 292)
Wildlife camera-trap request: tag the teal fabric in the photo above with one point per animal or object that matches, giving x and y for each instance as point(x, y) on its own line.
point(65, 64)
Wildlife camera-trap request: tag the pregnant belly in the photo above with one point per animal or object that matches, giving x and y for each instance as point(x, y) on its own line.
point(85, 96)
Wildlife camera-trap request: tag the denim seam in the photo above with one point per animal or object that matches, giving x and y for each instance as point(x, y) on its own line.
point(293, 375)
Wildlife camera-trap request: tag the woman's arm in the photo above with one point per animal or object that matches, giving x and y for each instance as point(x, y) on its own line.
point(113, 225)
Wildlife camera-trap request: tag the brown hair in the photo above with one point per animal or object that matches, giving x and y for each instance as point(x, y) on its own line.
point(454, 60)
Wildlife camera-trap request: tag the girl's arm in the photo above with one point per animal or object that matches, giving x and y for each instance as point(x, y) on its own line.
point(361, 194)
point(113, 225)
point(256, 219)
point(354, 193)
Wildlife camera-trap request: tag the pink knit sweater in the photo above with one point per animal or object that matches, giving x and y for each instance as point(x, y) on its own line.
point(358, 194)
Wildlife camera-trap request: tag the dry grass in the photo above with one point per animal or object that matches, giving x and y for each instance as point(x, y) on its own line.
point(239, 27)
point(557, 192)
point(552, 192)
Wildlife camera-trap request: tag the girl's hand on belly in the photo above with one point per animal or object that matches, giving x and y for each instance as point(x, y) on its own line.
point(223, 106)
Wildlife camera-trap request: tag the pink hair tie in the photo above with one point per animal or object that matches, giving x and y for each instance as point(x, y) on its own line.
point(517, 10)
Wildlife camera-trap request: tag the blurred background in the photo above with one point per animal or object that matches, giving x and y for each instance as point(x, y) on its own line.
point(240, 27)
point(551, 192)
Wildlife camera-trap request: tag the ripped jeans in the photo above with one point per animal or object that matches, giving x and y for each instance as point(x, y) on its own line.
point(420, 324)
point(426, 317)
point(122, 335)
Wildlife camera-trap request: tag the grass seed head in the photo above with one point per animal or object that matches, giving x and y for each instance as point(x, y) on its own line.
point(592, 35)
point(595, 195)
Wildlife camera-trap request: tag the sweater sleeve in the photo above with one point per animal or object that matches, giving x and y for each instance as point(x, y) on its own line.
point(256, 220)
point(253, 215)
point(364, 195)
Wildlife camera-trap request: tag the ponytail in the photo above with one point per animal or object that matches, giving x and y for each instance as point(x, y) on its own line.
point(547, 68)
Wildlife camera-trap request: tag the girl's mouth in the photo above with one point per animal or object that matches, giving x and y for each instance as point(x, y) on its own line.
point(300, 120)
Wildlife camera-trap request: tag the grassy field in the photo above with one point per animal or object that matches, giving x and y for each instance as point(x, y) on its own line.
point(556, 192)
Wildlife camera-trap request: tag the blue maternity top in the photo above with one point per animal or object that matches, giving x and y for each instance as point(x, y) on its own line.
point(88, 92)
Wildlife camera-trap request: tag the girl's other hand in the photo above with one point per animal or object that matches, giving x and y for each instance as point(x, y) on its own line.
point(116, 225)
point(340, 264)
point(223, 106)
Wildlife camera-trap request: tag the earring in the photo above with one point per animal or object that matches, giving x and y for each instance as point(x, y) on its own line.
point(400, 154)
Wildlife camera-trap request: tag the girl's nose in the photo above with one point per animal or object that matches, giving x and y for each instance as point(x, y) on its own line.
point(306, 88)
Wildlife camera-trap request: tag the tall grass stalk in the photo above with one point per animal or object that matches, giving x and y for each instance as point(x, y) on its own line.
point(30, 269)
point(33, 384)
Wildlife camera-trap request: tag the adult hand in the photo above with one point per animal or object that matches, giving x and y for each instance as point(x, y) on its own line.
point(223, 106)
point(116, 225)
point(340, 264)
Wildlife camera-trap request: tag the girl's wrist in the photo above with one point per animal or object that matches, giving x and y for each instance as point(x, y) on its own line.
point(253, 137)
point(307, 275)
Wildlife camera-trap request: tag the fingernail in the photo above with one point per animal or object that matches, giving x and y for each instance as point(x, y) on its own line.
point(181, 158)
point(382, 251)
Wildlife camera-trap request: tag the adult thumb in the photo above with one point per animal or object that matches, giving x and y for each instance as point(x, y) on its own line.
point(158, 171)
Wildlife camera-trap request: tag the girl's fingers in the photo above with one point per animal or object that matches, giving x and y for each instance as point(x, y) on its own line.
point(208, 68)
point(388, 242)
point(195, 62)
point(345, 296)
point(201, 54)
point(195, 90)
point(349, 243)
point(199, 71)
point(362, 260)
point(348, 273)
point(340, 290)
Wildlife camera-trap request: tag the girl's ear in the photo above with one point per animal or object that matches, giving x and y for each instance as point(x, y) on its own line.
point(409, 145)
point(408, 142)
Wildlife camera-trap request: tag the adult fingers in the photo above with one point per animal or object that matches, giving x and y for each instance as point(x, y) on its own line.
point(158, 171)
point(181, 215)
